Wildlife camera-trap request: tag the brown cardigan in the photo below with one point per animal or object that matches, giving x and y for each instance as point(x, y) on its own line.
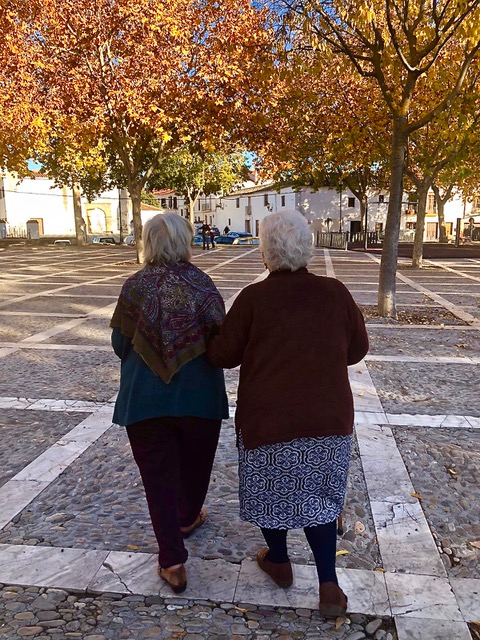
point(293, 334)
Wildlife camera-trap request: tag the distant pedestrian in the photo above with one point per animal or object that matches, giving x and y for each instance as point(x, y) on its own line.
point(293, 335)
point(226, 230)
point(171, 399)
point(206, 235)
point(212, 238)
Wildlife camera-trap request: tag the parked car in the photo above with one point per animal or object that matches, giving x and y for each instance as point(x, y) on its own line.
point(197, 240)
point(129, 240)
point(104, 240)
point(239, 234)
point(224, 239)
point(243, 241)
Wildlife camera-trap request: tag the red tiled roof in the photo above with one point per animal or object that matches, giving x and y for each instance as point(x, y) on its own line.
point(149, 207)
point(163, 192)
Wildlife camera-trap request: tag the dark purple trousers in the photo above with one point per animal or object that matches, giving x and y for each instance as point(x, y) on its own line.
point(175, 458)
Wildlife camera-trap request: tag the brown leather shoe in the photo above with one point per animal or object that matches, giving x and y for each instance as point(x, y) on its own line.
point(333, 602)
point(176, 578)
point(279, 572)
point(187, 531)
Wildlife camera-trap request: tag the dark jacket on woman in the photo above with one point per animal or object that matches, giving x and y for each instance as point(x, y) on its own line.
point(294, 334)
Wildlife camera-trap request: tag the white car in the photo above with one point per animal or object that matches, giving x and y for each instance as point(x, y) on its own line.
point(243, 241)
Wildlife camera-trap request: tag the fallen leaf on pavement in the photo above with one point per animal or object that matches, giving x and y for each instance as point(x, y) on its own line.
point(475, 544)
point(417, 495)
point(342, 552)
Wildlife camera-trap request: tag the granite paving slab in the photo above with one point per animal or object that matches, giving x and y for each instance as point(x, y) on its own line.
point(445, 470)
point(88, 375)
point(136, 573)
point(99, 502)
point(24, 435)
point(427, 388)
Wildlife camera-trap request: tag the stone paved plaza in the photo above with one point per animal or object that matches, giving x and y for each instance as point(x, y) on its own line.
point(77, 552)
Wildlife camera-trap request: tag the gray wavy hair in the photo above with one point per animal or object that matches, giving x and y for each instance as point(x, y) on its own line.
point(285, 241)
point(167, 238)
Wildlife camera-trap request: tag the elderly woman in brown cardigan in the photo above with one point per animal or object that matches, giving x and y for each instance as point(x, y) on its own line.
point(293, 335)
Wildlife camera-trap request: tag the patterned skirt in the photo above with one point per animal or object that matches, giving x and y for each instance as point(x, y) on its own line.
point(296, 484)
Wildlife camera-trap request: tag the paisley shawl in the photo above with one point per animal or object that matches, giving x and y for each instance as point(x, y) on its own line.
point(168, 312)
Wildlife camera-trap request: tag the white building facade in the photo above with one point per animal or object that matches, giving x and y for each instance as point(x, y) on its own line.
point(33, 207)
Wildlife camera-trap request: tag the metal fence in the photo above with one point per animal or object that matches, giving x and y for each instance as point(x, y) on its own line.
point(358, 239)
point(335, 240)
point(17, 232)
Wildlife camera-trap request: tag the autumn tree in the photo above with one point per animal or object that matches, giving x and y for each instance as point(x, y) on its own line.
point(461, 177)
point(192, 173)
point(74, 156)
point(22, 125)
point(148, 76)
point(323, 128)
point(402, 46)
point(444, 143)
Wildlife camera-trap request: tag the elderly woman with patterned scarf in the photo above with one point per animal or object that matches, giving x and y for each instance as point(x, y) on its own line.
point(171, 399)
point(293, 335)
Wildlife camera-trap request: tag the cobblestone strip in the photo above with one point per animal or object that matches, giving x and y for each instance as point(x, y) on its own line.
point(222, 264)
point(457, 311)
point(451, 270)
point(18, 492)
point(59, 328)
point(416, 579)
point(67, 287)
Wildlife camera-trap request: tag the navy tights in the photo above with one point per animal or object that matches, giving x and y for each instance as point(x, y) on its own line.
point(322, 540)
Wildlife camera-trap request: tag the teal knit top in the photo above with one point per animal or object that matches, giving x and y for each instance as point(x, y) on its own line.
point(197, 389)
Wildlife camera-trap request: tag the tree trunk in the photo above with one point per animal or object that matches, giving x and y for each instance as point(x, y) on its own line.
point(80, 229)
point(364, 218)
point(135, 189)
point(441, 201)
point(123, 214)
point(422, 191)
point(191, 210)
point(363, 211)
point(388, 265)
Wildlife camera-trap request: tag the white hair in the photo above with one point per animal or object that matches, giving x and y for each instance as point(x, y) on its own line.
point(167, 238)
point(285, 241)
